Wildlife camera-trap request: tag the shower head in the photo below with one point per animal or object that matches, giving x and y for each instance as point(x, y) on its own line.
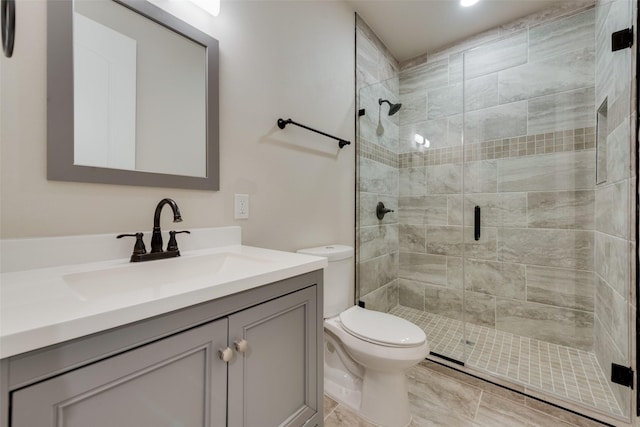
point(393, 108)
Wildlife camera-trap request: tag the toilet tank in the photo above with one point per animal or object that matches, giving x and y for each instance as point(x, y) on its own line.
point(339, 288)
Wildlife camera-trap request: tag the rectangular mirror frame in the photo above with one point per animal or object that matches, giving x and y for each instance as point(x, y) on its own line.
point(60, 113)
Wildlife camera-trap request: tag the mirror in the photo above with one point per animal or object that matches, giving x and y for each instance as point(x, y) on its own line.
point(132, 96)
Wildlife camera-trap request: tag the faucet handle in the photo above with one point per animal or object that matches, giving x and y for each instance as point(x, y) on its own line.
point(173, 243)
point(138, 248)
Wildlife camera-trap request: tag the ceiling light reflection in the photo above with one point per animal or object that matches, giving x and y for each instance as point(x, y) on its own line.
point(467, 3)
point(421, 140)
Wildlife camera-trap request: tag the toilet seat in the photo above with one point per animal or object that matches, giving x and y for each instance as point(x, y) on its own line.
point(381, 328)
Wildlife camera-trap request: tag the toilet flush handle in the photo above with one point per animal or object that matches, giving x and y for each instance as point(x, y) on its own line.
point(241, 346)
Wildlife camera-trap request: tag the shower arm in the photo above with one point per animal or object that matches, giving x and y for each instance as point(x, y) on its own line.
point(283, 123)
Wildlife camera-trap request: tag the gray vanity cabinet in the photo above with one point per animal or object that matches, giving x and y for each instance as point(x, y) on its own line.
point(168, 371)
point(177, 381)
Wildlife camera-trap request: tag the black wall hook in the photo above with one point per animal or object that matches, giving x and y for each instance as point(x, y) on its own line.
point(283, 123)
point(8, 26)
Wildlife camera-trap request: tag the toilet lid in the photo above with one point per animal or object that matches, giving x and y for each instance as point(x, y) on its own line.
point(381, 328)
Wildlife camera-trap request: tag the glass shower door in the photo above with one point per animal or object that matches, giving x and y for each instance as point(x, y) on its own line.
point(547, 207)
point(430, 279)
point(409, 262)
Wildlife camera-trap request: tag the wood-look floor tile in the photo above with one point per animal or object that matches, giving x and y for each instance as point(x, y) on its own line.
point(476, 382)
point(329, 406)
point(427, 415)
point(496, 411)
point(443, 392)
point(343, 417)
point(569, 417)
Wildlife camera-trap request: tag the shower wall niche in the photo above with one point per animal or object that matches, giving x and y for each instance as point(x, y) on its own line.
point(510, 119)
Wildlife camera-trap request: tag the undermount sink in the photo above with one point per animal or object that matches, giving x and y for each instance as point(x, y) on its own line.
point(158, 276)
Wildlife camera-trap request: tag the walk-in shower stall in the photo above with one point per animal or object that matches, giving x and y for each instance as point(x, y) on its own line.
point(510, 169)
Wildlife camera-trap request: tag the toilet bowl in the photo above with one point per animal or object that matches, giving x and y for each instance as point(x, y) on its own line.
point(366, 353)
point(368, 338)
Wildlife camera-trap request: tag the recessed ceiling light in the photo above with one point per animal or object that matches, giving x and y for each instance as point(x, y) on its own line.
point(467, 3)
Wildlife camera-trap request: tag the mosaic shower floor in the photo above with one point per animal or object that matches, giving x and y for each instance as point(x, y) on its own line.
point(566, 372)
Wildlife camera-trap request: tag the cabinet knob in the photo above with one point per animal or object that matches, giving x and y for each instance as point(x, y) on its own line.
point(241, 346)
point(225, 354)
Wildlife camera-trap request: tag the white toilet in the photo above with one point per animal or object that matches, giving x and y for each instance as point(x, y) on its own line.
point(366, 353)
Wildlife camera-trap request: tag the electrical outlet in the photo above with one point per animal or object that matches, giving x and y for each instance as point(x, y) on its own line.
point(241, 206)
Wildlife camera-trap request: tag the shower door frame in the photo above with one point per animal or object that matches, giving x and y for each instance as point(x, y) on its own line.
point(635, 122)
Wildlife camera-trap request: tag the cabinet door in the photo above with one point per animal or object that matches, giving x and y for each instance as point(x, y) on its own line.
point(274, 382)
point(176, 381)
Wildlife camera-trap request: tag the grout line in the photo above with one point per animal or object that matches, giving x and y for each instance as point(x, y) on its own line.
point(587, 377)
point(562, 372)
point(475, 412)
point(332, 411)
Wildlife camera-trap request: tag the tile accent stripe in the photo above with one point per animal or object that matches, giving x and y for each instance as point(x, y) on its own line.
point(566, 372)
point(553, 142)
point(375, 152)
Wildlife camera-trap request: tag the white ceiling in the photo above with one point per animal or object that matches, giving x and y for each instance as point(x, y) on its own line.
point(410, 28)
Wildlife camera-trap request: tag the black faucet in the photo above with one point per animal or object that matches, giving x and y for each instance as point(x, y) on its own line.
point(139, 250)
point(156, 237)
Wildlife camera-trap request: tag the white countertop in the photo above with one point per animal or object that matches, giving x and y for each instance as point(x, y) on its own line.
point(45, 306)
